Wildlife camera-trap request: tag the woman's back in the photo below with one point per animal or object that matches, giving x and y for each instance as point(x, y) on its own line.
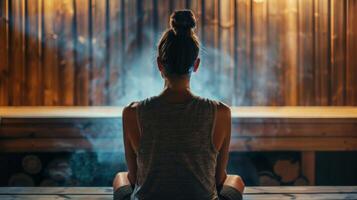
point(176, 156)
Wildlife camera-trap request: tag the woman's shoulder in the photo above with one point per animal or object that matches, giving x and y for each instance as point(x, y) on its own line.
point(130, 109)
point(221, 107)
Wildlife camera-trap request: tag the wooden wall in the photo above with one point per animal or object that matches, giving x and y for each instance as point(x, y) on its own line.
point(274, 52)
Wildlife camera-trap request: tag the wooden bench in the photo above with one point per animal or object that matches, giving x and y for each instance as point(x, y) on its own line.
point(251, 193)
point(303, 129)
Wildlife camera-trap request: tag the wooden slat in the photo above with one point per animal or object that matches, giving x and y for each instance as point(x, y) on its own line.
point(115, 55)
point(321, 54)
point(61, 145)
point(261, 72)
point(288, 52)
point(33, 89)
point(237, 112)
point(351, 66)
point(98, 96)
point(109, 190)
point(50, 53)
point(4, 69)
point(300, 190)
point(242, 58)
point(16, 52)
point(65, 55)
point(338, 52)
point(300, 196)
point(59, 132)
point(293, 144)
point(274, 72)
point(295, 128)
point(56, 197)
point(237, 144)
point(82, 45)
point(248, 197)
point(306, 93)
point(252, 193)
point(308, 164)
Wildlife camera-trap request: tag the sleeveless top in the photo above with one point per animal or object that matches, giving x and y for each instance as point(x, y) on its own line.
point(176, 157)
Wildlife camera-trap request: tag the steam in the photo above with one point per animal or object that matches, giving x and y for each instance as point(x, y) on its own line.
point(140, 79)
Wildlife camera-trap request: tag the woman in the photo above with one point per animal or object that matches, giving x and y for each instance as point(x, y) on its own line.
point(176, 143)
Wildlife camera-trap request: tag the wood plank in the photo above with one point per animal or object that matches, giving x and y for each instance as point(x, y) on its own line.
point(321, 48)
point(61, 145)
point(56, 197)
point(242, 59)
point(318, 128)
point(60, 132)
point(338, 52)
point(4, 69)
point(237, 144)
point(306, 93)
point(351, 66)
point(49, 53)
point(260, 70)
point(293, 144)
point(56, 190)
point(300, 196)
point(82, 46)
point(308, 165)
point(250, 192)
point(275, 95)
point(288, 51)
point(33, 78)
point(98, 81)
point(114, 89)
point(65, 54)
point(315, 112)
point(16, 52)
point(300, 189)
point(109, 190)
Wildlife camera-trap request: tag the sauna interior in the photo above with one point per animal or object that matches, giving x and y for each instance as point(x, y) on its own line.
point(287, 68)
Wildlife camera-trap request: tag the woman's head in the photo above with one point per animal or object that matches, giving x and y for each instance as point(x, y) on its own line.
point(179, 47)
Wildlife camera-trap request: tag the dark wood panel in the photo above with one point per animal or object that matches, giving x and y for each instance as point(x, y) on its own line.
point(4, 51)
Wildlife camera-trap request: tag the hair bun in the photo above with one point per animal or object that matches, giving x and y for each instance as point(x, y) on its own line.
point(182, 21)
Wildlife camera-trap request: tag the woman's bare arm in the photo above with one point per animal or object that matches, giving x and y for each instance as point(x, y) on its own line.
point(130, 138)
point(222, 136)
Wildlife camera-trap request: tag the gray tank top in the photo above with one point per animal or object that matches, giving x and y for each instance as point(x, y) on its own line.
point(176, 156)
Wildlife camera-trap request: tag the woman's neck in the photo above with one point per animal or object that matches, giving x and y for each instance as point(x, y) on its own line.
point(176, 90)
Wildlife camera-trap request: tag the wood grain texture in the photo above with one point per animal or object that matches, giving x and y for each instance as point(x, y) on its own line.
point(338, 52)
point(351, 80)
point(306, 56)
point(4, 53)
point(269, 52)
point(16, 52)
point(33, 76)
point(82, 46)
point(252, 112)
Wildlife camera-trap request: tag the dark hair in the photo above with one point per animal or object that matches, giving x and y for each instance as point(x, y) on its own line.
point(178, 47)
